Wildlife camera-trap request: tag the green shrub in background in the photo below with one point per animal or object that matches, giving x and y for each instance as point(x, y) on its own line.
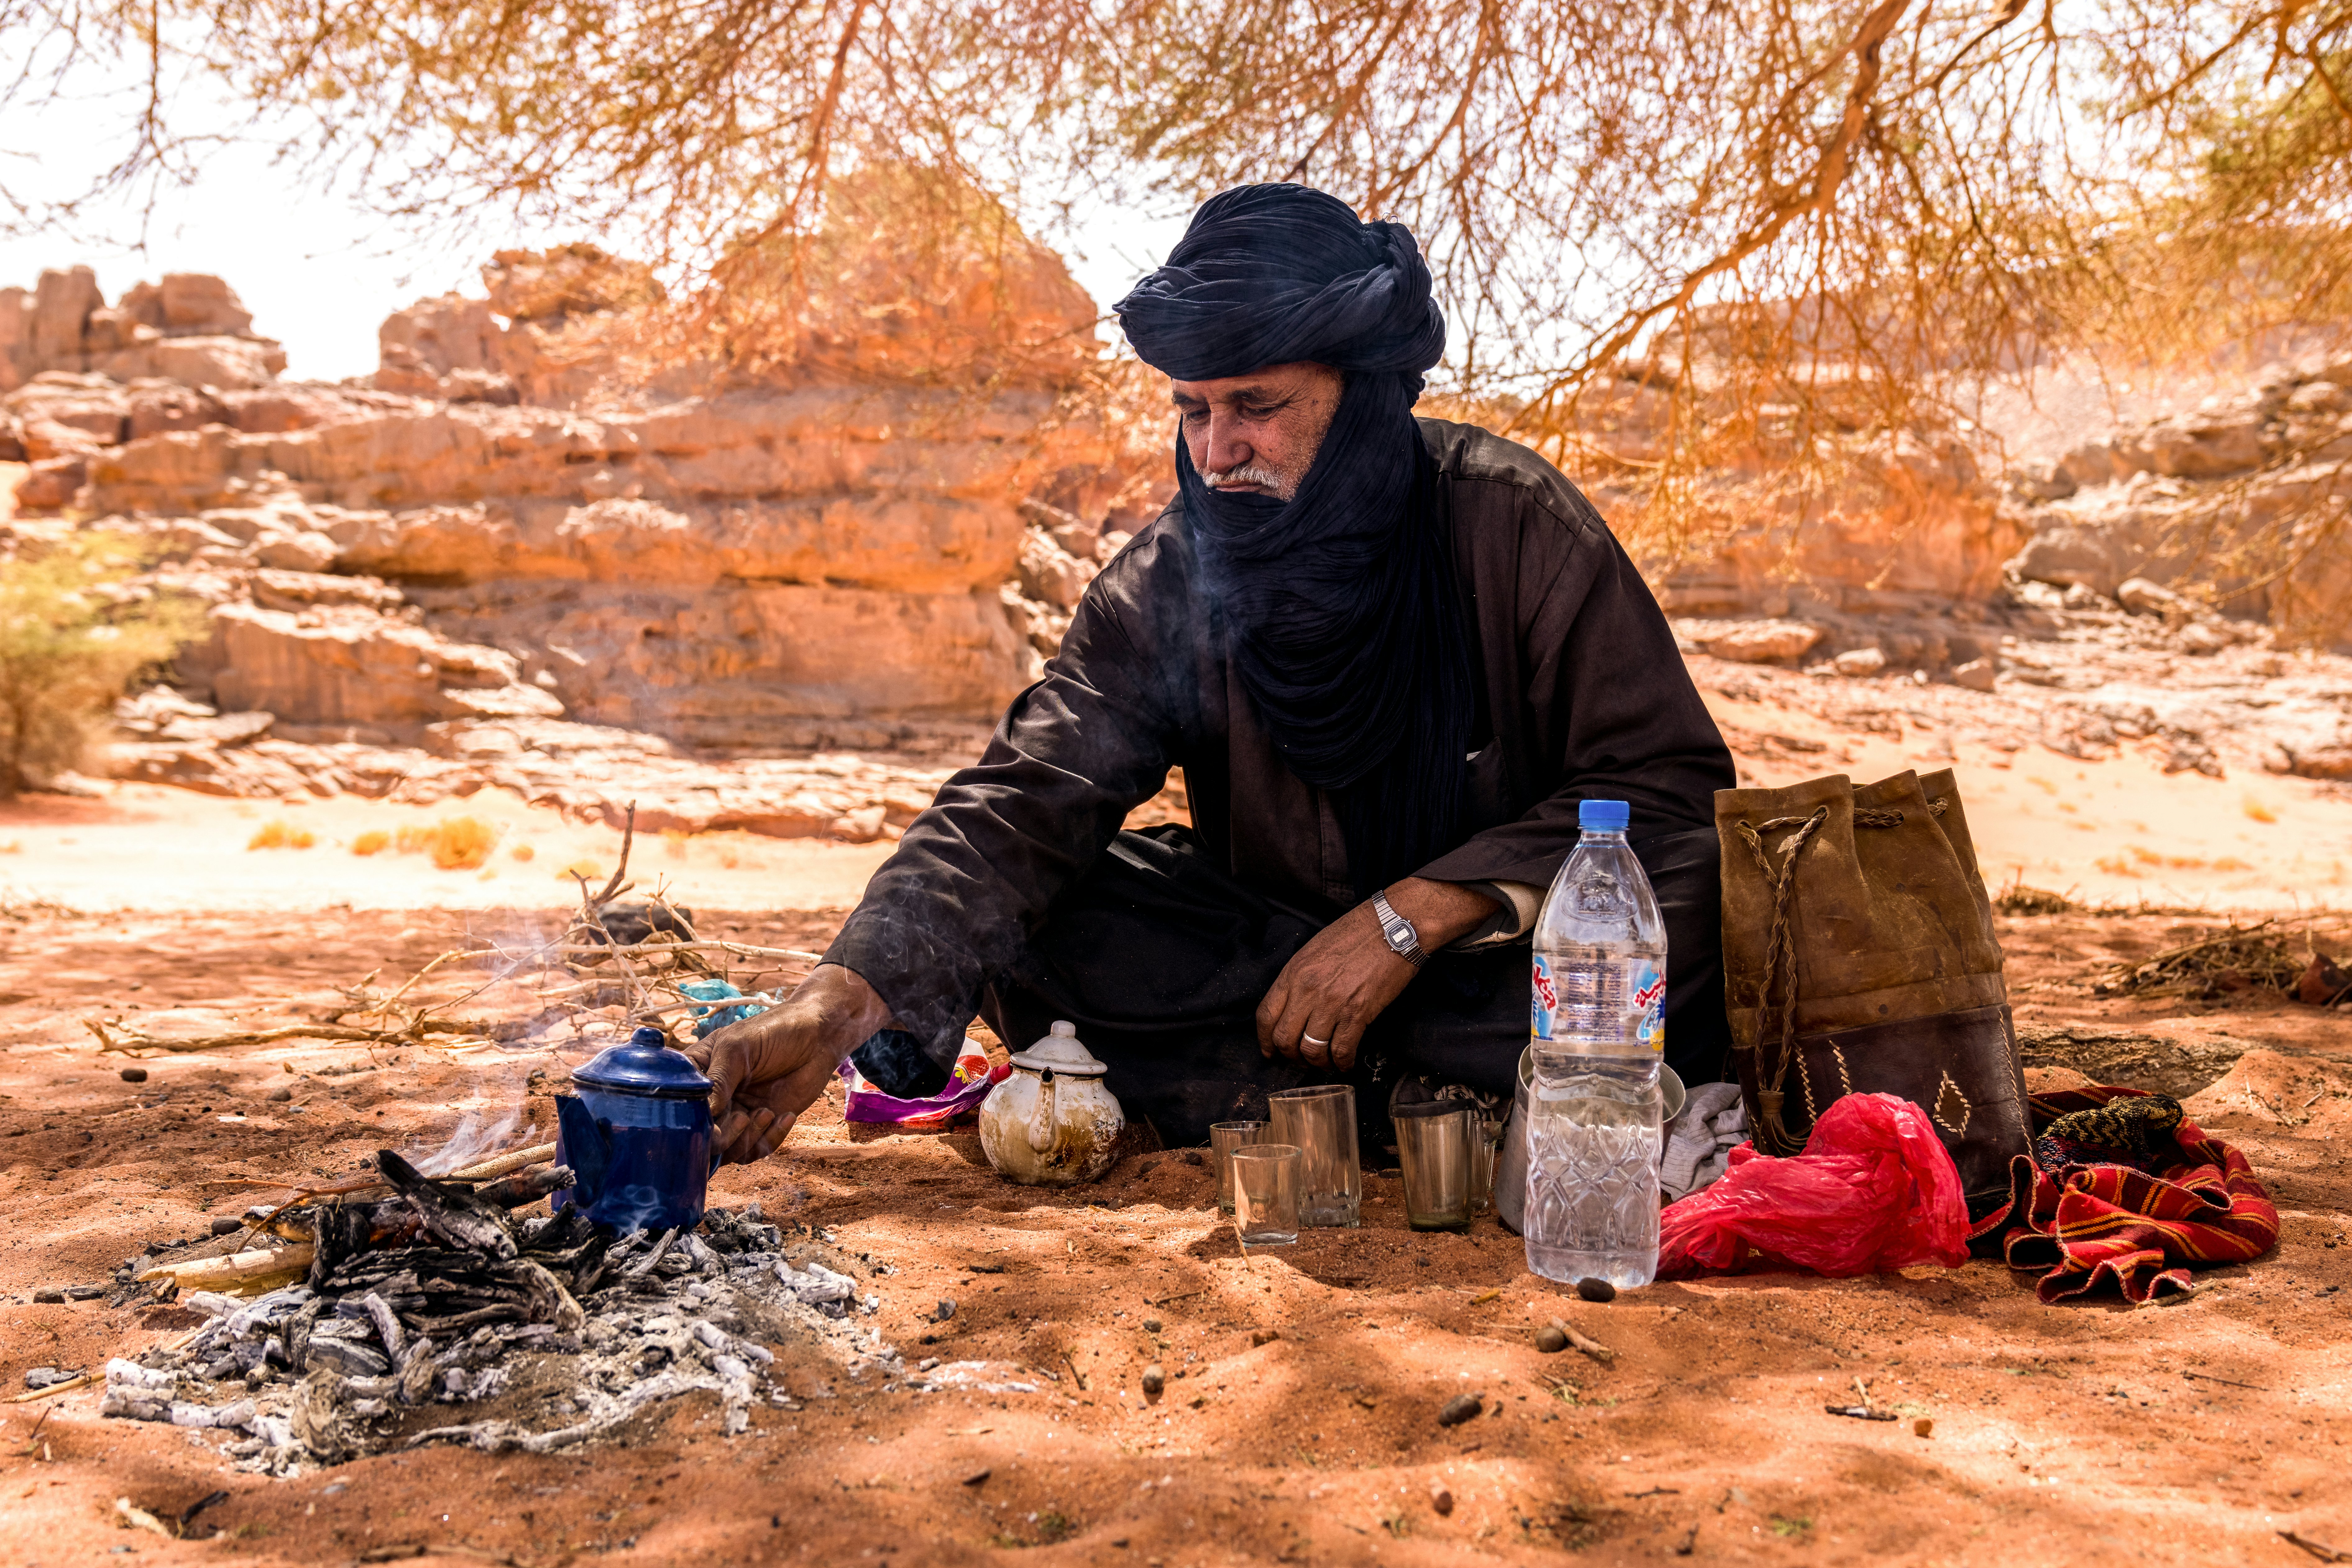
point(74, 629)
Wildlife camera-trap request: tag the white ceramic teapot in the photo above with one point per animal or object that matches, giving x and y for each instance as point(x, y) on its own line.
point(1052, 1123)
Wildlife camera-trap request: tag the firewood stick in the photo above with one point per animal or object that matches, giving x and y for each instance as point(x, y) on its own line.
point(239, 1271)
point(502, 1165)
point(351, 1186)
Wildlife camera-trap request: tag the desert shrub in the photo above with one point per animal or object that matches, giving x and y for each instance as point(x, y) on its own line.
point(462, 843)
point(455, 843)
point(74, 629)
point(279, 833)
point(375, 841)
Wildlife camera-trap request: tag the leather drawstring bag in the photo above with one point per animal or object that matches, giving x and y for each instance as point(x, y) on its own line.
point(1859, 957)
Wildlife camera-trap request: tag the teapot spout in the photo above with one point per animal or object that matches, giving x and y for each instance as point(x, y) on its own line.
point(1040, 1120)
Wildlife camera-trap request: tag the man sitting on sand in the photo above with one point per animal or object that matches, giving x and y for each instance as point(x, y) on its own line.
point(1391, 655)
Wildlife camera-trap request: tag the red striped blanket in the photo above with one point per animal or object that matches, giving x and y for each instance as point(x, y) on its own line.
point(2088, 1225)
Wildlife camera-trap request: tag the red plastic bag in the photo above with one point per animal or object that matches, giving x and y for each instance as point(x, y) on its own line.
point(1875, 1189)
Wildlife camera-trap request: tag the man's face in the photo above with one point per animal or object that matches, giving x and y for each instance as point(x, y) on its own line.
point(1258, 434)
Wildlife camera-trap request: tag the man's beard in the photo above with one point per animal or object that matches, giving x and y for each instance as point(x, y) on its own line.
point(1284, 487)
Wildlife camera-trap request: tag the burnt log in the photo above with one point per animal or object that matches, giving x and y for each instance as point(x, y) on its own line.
point(460, 1218)
point(337, 1233)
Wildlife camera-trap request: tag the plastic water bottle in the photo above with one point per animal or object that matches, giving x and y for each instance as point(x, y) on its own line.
point(1599, 1036)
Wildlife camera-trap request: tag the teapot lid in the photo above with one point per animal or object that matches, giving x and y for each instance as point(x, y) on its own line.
point(1061, 1051)
point(646, 1065)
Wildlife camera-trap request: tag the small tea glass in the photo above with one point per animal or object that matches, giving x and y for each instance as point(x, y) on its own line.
point(1438, 1151)
point(1224, 1137)
point(1265, 1195)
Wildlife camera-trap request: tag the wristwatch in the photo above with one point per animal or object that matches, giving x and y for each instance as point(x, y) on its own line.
point(1404, 941)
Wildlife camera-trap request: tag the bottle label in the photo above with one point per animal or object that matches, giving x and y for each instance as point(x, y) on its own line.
point(1645, 1031)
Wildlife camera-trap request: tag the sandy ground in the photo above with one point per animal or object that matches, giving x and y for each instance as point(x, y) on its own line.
point(1298, 1421)
point(2120, 831)
point(155, 848)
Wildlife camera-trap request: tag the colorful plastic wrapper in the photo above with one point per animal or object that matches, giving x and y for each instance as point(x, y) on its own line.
point(968, 1084)
point(711, 1018)
point(1875, 1190)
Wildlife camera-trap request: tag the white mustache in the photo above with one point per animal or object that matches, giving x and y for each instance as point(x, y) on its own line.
point(1248, 473)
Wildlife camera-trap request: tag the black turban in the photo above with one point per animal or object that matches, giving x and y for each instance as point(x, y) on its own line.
point(1347, 626)
point(1274, 274)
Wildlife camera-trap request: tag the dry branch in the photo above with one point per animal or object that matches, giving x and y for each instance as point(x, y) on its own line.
point(262, 1268)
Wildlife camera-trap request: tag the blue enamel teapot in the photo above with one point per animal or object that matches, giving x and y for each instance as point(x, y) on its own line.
point(638, 1137)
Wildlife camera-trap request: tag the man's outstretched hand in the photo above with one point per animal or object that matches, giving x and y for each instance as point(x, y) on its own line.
point(766, 1070)
point(1333, 988)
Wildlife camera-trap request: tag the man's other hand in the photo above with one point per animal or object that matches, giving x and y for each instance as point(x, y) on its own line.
point(766, 1070)
point(1332, 989)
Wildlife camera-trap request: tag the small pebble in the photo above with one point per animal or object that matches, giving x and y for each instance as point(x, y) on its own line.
point(1460, 1408)
point(1150, 1325)
point(1923, 1427)
point(1154, 1380)
point(1596, 1289)
point(281, 1094)
point(84, 1292)
point(1441, 1499)
point(973, 1480)
point(227, 1226)
point(1550, 1339)
point(944, 1310)
point(48, 1376)
point(134, 1075)
point(1192, 1157)
point(49, 1297)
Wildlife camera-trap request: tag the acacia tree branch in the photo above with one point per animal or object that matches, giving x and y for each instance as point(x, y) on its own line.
point(1829, 173)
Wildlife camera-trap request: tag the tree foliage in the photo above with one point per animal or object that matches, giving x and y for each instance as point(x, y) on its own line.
point(1799, 220)
point(72, 634)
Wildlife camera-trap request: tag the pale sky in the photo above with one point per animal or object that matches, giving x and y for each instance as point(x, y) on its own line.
point(317, 272)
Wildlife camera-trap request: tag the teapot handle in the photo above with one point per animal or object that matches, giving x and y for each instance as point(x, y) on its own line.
point(1041, 1120)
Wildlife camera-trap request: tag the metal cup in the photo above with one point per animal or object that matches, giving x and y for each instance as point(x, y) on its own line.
point(1438, 1145)
point(1224, 1137)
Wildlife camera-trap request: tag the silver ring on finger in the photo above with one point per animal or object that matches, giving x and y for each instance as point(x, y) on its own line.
point(1311, 1040)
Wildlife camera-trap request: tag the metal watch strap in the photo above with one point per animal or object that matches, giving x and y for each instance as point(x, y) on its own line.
point(1403, 940)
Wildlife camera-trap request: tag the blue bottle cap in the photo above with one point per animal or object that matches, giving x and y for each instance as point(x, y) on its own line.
point(1603, 816)
point(646, 1065)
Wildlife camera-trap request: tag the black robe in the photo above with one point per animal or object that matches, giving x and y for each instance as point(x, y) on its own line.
point(1580, 693)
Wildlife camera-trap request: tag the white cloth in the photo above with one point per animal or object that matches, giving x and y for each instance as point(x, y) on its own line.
point(1517, 906)
point(1700, 1140)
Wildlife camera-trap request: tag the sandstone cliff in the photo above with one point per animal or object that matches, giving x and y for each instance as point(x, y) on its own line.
point(571, 541)
point(678, 571)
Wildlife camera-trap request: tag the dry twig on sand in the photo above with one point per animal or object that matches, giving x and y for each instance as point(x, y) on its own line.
point(2239, 958)
point(571, 970)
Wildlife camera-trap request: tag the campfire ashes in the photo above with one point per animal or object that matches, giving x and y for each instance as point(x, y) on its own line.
point(438, 1304)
